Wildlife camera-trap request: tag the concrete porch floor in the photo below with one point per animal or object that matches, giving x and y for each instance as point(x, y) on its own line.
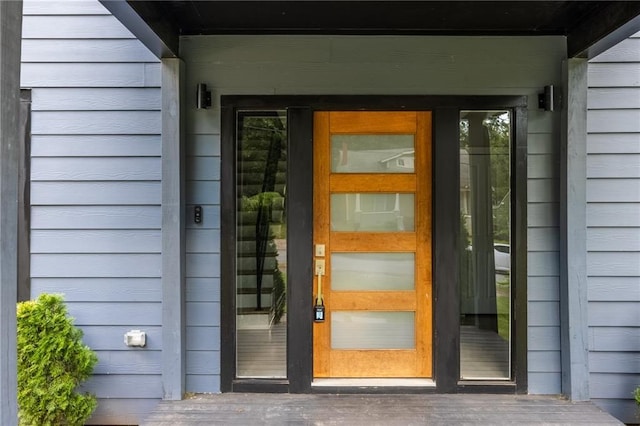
point(360, 409)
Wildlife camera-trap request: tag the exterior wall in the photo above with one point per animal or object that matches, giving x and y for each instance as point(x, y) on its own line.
point(268, 65)
point(95, 191)
point(613, 228)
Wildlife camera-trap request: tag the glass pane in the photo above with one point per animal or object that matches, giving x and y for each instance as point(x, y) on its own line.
point(261, 245)
point(372, 153)
point(372, 212)
point(372, 330)
point(485, 284)
point(372, 271)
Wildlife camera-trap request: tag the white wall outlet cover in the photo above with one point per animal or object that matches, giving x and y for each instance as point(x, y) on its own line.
point(135, 338)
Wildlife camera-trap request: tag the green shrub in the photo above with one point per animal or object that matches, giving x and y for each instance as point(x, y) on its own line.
point(52, 362)
point(636, 395)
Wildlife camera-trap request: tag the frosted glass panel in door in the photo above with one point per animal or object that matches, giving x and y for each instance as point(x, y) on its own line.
point(372, 212)
point(372, 154)
point(372, 271)
point(372, 330)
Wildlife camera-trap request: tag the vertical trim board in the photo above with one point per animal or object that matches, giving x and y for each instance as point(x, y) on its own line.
point(573, 247)
point(10, 29)
point(173, 231)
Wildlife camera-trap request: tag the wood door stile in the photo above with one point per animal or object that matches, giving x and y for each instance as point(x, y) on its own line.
point(321, 208)
point(424, 298)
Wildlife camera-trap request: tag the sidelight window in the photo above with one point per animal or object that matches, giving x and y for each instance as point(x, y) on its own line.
point(261, 247)
point(485, 265)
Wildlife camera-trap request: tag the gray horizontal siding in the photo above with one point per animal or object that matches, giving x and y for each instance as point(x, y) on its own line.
point(95, 122)
point(95, 145)
point(613, 190)
point(136, 315)
point(543, 239)
point(542, 338)
point(602, 214)
point(203, 168)
point(545, 382)
point(204, 192)
point(138, 386)
point(203, 241)
point(95, 193)
point(619, 339)
point(615, 98)
point(544, 361)
point(622, 289)
point(613, 143)
point(203, 314)
point(613, 233)
point(95, 241)
point(63, 26)
point(203, 362)
point(613, 264)
point(203, 338)
point(90, 75)
point(614, 362)
point(381, 65)
point(614, 75)
point(613, 239)
point(542, 191)
point(614, 314)
point(95, 169)
point(95, 217)
point(626, 51)
point(202, 382)
point(101, 289)
point(613, 166)
point(95, 185)
point(77, 50)
point(543, 214)
point(129, 362)
point(97, 99)
point(544, 289)
point(203, 290)
point(92, 265)
point(611, 385)
point(111, 337)
point(614, 121)
point(63, 7)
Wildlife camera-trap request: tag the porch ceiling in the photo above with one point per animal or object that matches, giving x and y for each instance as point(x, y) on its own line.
point(590, 26)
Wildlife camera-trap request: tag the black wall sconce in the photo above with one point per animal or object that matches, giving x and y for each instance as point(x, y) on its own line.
point(203, 97)
point(547, 100)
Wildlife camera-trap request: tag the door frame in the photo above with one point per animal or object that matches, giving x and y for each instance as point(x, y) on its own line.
point(445, 193)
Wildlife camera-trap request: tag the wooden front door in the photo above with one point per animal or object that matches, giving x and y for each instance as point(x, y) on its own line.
point(372, 238)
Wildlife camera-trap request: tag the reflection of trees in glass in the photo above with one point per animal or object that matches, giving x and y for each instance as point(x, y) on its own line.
point(485, 297)
point(498, 126)
point(261, 186)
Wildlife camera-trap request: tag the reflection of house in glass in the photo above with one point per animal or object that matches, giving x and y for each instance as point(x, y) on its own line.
point(372, 153)
point(403, 162)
